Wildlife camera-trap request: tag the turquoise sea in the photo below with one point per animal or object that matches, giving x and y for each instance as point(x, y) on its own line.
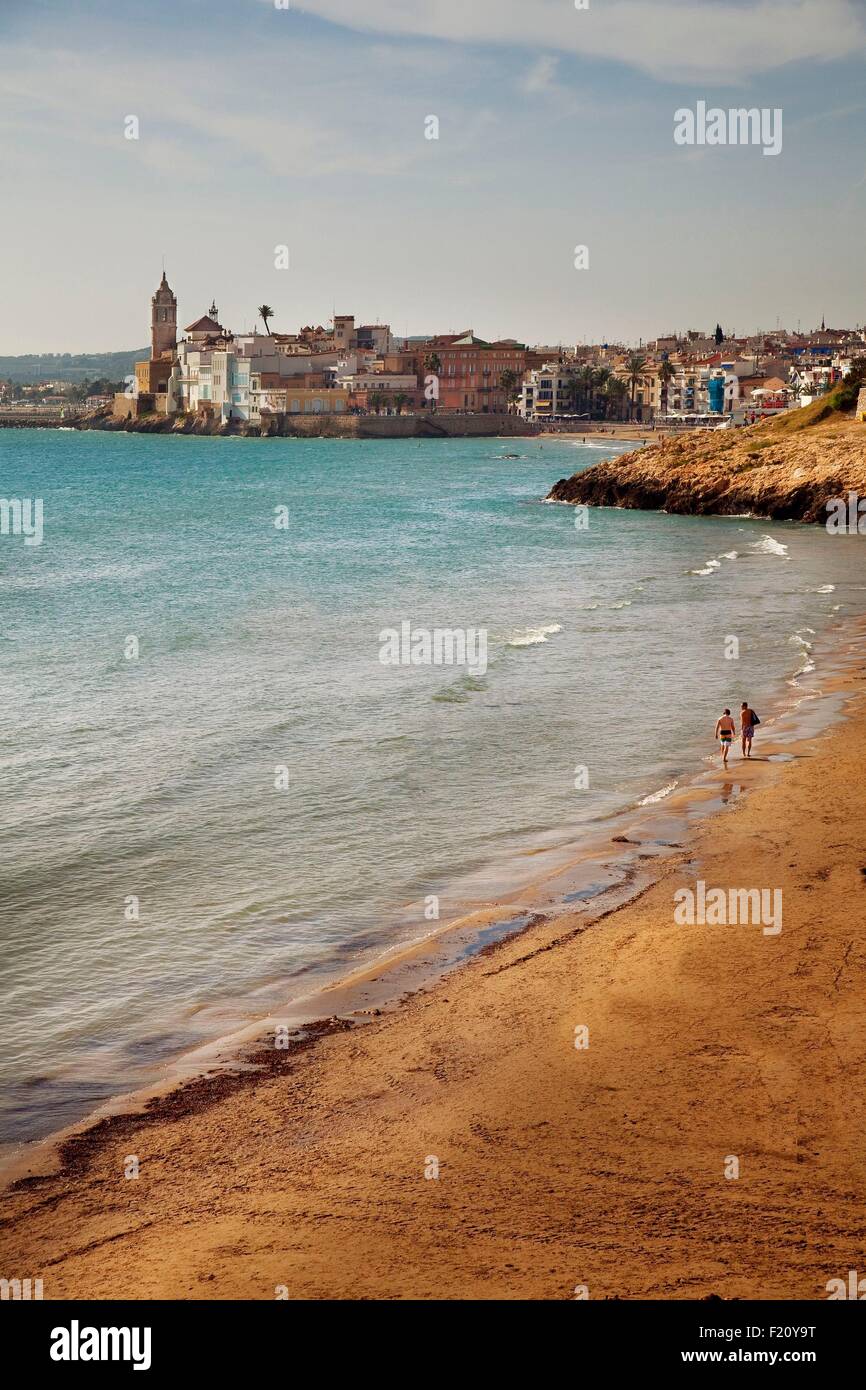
point(279, 803)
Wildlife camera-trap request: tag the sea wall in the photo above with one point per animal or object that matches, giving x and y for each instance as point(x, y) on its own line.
point(428, 426)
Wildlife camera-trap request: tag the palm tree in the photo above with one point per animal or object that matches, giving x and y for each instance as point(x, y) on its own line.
point(573, 391)
point(400, 400)
point(601, 378)
point(265, 312)
point(433, 367)
point(376, 401)
point(616, 390)
point(586, 378)
point(508, 381)
point(666, 376)
point(634, 369)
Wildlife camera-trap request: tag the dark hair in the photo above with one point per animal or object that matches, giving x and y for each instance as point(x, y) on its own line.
point(745, 704)
point(727, 711)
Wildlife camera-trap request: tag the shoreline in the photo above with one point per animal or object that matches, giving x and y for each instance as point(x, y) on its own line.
point(601, 863)
point(224, 1098)
point(321, 426)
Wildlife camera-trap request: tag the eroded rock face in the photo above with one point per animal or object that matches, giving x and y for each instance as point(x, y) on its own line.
point(786, 475)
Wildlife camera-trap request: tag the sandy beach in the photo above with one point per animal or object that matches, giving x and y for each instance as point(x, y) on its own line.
point(464, 1146)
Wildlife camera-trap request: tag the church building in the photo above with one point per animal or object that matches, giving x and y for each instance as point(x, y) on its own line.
point(152, 375)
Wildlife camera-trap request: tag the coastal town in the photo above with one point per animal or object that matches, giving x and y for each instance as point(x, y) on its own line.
point(209, 374)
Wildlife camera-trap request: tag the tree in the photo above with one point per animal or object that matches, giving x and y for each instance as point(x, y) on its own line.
point(508, 381)
point(720, 336)
point(433, 367)
point(376, 401)
point(634, 369)
point(666, 376)
point(265, 312)
point(586, 379)
point(400, 400)
point(601, 378)
point(616, 392)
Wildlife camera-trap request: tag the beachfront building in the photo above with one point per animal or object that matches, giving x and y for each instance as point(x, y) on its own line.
point(271, 395)
point(213, 381)
point(474, 375)
point(391, 392)
point(229, 376)
point(546, 393)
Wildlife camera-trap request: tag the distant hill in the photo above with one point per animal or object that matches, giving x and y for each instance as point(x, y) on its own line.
point(70, 366)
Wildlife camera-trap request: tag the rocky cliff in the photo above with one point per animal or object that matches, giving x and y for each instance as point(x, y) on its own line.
point(785, 469)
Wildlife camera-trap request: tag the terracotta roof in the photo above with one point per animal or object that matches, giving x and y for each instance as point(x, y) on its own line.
point(204, 325)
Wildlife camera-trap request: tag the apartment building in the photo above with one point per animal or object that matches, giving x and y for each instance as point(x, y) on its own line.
point(475, 375)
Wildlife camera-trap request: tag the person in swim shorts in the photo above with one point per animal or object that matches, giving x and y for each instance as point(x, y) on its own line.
point(747, 728)
point(725, 730)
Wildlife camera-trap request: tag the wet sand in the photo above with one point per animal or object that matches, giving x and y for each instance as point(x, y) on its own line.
point(557, 1166)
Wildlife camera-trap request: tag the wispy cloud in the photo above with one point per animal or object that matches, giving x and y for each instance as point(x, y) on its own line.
point(676, 40)
point(541, 76)
point(185, 133)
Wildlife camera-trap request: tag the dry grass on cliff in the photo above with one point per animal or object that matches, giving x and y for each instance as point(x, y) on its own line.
point(786, 468)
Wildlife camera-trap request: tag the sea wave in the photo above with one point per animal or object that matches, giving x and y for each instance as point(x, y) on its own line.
point(767, 545)
point(711, 566)
point(459, 691)
point(532, 636)
point(659, 795)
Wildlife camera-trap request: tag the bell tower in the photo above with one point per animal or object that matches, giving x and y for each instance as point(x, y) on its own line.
point(163, 321)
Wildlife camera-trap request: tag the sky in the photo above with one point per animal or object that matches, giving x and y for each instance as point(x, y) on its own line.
point(306, 127)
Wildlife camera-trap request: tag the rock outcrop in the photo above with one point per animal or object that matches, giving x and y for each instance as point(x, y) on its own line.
point(785, 469)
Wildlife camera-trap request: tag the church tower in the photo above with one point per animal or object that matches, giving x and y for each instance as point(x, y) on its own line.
point(163, 321)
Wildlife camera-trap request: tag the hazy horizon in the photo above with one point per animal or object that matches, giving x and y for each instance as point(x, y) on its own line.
point(305, 127)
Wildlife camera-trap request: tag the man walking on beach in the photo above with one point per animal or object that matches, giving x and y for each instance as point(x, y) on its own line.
point(748, 720)
point(725, 735)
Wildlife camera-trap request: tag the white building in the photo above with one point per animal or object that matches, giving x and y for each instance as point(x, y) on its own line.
point(546, 393)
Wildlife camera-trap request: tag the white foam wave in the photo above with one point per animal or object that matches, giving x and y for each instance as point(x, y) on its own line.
point(768, 546)
point(659, 795)
point(827, 589)
point(532, 636)
point(712, 565)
